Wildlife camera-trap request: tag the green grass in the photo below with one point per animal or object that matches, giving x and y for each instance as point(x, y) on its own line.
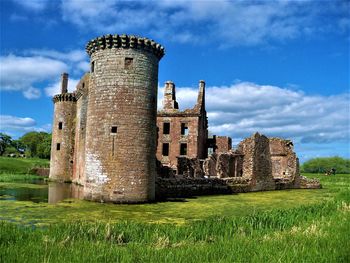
point(20, 165)
point(276, 226)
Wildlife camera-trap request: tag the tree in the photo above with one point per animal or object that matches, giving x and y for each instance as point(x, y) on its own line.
point(37, 144)
point(322, 165)
point(5, 141)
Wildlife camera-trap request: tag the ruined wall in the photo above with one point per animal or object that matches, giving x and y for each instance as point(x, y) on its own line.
point(257, 162)
point(223, 144)
point(195, 121)
point(175, 139)
point(121, 119)
point(63, 129)
point(80, 131)
point(187, 187)
point(285, 164)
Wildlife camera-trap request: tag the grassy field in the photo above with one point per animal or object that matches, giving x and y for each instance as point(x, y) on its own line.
point(275, 226)
point(20, 165)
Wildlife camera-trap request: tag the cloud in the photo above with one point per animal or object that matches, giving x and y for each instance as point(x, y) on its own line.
point(28, 71)
point(55, 88)
point(33, 5)
point(32, 93)
point(225, 23)
point(244, 108)
point(17, 126)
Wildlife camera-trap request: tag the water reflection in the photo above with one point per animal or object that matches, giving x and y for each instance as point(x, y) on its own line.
point(47, 192)
point(60, 191)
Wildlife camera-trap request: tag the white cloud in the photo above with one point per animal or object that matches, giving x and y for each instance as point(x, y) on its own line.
point(23, 72)
point(18, 73)
point(225, 22)
point(32, 93)
point(244, 108)
point(33, 5)
point(55, 88)
point(17, 126)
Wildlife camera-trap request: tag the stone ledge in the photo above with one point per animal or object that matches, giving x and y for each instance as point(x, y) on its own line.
point(125, 41)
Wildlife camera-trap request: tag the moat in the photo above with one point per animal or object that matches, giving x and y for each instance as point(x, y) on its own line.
point(38, 191)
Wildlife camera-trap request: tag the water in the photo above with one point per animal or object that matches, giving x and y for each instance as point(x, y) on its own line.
point(39, 191)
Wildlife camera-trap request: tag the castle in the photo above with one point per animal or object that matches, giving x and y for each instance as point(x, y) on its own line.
point(108, 136)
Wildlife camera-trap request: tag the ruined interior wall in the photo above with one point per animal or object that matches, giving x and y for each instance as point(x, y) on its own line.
point(61, 163)
point(223, 144)
point(175, 138)
point(121, 167)
point(285, 164)
point(257, 162)
point(80, 131)
point(202, 149)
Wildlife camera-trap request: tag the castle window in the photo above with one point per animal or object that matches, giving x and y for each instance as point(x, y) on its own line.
point(114, 130)
point(60, 125)
point(58, 146)
point(166, 128)
point(165, 149)
point(92, 66)
point(128, 63)
point(83, 85)
point(184, 129)
point(183, 149)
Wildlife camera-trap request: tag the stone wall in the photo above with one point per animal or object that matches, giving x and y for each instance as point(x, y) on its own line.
point(187, 187)
point(80, 130)
point(120, 148)
point(257, 162)
point(177, 128)
point(63, 130)
point(223, 144)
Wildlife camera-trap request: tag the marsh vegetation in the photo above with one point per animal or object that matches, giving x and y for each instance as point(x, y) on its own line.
point(275, 226)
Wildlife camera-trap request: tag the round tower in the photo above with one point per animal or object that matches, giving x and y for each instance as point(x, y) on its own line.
point(62, 147)
point(121, 119)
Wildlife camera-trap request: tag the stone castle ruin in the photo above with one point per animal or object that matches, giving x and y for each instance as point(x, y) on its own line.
point(108, 136)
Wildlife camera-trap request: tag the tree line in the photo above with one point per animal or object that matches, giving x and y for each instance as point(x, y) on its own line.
point(325, 164)
point(31, 144)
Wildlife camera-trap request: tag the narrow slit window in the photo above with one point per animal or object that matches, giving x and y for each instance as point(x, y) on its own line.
point(128, 63)
point(165, 149)
point(83, 85)
point(92, 66)
point(58, 146)
point(183, 149)
point(114, 130)
point(184, 129)
point(166, 128)
point(60, 125)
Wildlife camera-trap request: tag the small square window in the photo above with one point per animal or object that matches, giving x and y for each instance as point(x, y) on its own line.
point(183, 149)
point(60, 125)
point(166, 128)
point(114, 130)
point(184, 129)
point(58, 146)
point(128, 63)
point(165, 150)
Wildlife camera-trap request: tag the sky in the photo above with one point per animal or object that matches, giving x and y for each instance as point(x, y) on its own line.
point(280, 68)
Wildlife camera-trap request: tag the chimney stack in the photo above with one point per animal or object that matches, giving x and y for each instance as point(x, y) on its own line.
point(64, 83)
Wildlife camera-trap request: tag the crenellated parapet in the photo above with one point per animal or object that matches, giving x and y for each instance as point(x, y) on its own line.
point(65, 97)
point(125, 41)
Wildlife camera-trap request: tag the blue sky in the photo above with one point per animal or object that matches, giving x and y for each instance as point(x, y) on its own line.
point(277, 67)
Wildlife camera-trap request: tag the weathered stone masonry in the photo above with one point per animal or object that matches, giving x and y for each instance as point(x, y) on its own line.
point(107, 134)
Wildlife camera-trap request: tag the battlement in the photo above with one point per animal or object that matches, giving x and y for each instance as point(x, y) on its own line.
point(125, 41)
point(64, 97)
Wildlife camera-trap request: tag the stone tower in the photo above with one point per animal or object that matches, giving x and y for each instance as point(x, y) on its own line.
point(121, 119)
point(63, 128)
